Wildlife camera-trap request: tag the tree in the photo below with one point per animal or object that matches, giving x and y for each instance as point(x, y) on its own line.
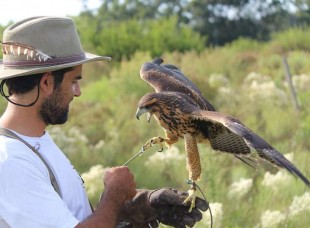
point(227, 20)
point(222, 21)
point(121, 39)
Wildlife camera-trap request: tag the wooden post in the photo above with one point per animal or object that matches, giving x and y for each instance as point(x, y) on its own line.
point(288, 77)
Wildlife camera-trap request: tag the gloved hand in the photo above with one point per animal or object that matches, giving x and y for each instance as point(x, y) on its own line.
point(151, 207)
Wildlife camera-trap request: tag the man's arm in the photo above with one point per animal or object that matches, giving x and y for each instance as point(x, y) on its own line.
point(119, 187)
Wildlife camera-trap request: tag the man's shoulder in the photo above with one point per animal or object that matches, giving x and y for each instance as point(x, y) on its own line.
point(11, 147)
point(18, 163)
point(14, 151)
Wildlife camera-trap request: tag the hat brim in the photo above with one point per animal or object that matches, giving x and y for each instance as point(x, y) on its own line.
point(6, 73)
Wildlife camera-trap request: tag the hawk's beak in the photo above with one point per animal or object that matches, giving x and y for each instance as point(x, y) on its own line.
point(141, 111)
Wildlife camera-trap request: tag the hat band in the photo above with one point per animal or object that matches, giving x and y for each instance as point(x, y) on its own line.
point(48, 62)
point(16, 55)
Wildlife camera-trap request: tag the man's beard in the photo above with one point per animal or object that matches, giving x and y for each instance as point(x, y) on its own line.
point(52, 112)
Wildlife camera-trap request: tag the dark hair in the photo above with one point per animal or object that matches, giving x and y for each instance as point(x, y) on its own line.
point(59, 75)
point(24, 84)
point(20, 85)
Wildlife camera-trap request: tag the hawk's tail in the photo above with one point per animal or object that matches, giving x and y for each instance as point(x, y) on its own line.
point(275, 157)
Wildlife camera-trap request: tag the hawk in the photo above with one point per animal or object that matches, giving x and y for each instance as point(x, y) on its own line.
point(182, 111)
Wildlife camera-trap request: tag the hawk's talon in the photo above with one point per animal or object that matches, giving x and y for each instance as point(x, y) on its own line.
point(191, 197)
point(155, 140)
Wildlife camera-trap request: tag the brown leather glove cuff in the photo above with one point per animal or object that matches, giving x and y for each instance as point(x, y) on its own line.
point(138, 211)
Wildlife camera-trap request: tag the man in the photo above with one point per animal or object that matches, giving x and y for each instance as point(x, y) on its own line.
point(41, 68)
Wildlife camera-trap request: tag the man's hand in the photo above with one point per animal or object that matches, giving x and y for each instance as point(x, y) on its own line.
point(119, 187)
point(119, 183)
point(149, 208)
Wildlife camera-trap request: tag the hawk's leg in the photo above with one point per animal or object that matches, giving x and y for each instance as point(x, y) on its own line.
point(155, 140)
point(193, 166)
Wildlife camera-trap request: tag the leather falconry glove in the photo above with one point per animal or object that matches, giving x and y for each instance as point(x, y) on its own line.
point(151, 207)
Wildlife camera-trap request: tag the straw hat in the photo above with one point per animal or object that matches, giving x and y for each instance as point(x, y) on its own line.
point(42, 44)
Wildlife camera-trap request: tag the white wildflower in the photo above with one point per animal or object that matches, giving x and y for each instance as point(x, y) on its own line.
point(62, 139)
point(266, 90)
point(300, 204)
point(261, 87)
point(255, 77)
point(218, 80)
point(57, 133)
point(240, 188)
point(271, 219)
point(276, 181)
point(217, 215)
point(77, 135)
point(93, 180)
point(289, 156)
point(99, 145)
point(225, 91)
point(169, 155)
point(71, 141)
point(301, 82)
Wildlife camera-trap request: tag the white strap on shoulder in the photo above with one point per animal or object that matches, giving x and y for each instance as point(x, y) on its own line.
point(9, 133)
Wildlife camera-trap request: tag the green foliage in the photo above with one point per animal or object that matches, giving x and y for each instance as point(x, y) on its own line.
point(165, 35)
point(291, 39)
point(221, 21)
point(122, 39)
point(2, 104)
point(118, 39)
point(1, 32)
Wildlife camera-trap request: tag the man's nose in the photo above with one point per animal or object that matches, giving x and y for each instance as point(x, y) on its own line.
point(77, 90)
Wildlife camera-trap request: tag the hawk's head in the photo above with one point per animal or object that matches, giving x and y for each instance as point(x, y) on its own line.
point(162, 105)
point(148, 104)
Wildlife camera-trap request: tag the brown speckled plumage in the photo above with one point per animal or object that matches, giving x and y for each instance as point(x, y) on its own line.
point(180, 108)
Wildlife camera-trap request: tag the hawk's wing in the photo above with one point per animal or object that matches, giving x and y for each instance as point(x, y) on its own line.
point(168, 78)
point(228, 134)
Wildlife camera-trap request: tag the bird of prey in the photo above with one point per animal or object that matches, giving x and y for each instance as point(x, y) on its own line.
point(182, 111)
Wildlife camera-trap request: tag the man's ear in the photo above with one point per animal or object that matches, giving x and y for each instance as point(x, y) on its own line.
point(47, 83)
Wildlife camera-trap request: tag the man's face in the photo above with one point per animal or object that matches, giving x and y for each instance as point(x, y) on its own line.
point(55, 108)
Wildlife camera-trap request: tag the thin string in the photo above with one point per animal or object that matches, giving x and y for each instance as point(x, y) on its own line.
point(134, 157)
point(204, 197)
point(8, 99)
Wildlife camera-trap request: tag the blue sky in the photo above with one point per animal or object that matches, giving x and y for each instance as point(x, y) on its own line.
point(15, 10)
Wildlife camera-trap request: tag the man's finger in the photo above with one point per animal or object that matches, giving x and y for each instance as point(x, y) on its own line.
point(166, 197)
point(188, 220)
point(201, 204)
point(195, 214)
point(153, 223)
